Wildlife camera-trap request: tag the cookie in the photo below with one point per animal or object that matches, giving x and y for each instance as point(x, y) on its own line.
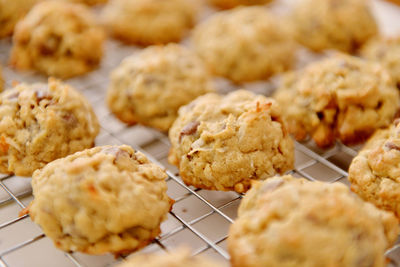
point(150, 86)
point(178, 258)
point(42, 122)
point(11, 12)
point(104, 199)
point(149, 22)
point(1, 80)
point(341, 97)
point(287, 222)
point(59, 39)
point(333, 24)
point(226, 142)
point(387, 52)
point(225, 4)
point(244, 44)
point(90, 2)
point(374, 172)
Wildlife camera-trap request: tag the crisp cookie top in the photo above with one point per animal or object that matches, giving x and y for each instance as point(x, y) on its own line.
point(284, 221)
point(340, 97)
point(149, 86)
point(224, 142)
point(104, 199)
point(42, 122)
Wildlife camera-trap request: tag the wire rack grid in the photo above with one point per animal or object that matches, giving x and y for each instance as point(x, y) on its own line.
point(200, 219)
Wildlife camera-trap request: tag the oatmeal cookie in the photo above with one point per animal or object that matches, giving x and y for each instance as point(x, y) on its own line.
point(178, 258)
point(149, 22)
point(244, 44)
point(374, 173)
point(290, 222)
point(225, 4)
point(387, 52)
point(104, 199)
point(150, 86)
point(42, 122)
point(340, 97)
point(11, 11)
point(57, 38)
point(226, 142)
point(89, 2)
point(333, 24)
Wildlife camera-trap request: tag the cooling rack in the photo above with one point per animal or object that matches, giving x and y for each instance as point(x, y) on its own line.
point(200, 219)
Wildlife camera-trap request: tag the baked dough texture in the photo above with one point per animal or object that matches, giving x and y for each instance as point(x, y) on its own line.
point(42, 122)
point(150, 86)
point(1, 80)
point(178, 258)
point(341, 97)
point(245, 44)
point(89, 2)
point(386, 51)
point(58, 38)
point(11, 11)
point(333, 24)
point(289, 222)
point(226, 142)
point(104, 199)
point(374, 173)
point(147, 22)
point(225, 4)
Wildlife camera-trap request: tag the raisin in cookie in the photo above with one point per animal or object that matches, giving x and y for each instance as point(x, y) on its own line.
point(234, 3)
point(104, 199)
point(244, 44)
point(333, 24)
point(225, 142)
point(374, 173)
point(150, 86)
point(42, 122)
point(11, 11)
point(340, 97)
point(59, 39)
point(178, 258)
point(387, 52)
point(289, 222)
point(149, 21)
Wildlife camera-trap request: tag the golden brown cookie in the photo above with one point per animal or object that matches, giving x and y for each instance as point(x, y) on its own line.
point(149, 22)
point(11, 11)
point(333, 24)
point(341, 97)
point(387, 52)
point(226, 142)
point(374, 173)
point(104, 199)
point(42, 122)
point(1, 80)
point(89, 2)
point(289, 222)
point(177, 258)
point(244, 44)
point(225, 4)
point(150, 86)
point(59, 39)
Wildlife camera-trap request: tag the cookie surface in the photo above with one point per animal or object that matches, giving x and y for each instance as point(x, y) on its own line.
point(41, 42)
point(42, 122)
point(333, 24)
point(1, 80)
point(225, 142)
point(340, 97)
point(177, 258)
point(11, 12)
point(149, 22)
point(235, 3)
point(150, 86)
point(244, 44)
point(386, 51)
point(89, 2)
point(374, 172)
point(104, 199)
point(287, 222)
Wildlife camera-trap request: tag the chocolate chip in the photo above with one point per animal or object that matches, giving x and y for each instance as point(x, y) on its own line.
point(392, 145)
point(189, 129)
